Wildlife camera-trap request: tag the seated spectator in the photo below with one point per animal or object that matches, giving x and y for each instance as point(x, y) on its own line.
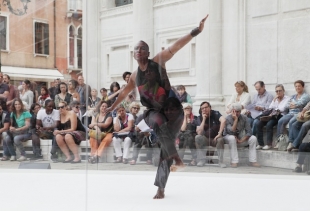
point(72, 85)
point(278, 103)
point(75, 107)
point(102, 122)
point(241, 96)
point(298, 130)
point(182, 95)
point(131, 96)
point(36, 147)
point(304, 152)
point(93, 100)
point(44, 96)
point(69, 134)
point(115, 89)
point(47, 121)
point(63, 94)
point(295, 105)
point(19, 130)
point(104, 94)
point(209, 133)
point(238, 133)
point(188, 133)
point(123, 123)
point(4, 127)
point(140, 138)
point(259, 102)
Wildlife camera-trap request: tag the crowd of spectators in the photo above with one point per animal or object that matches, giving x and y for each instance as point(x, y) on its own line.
point(66, 112)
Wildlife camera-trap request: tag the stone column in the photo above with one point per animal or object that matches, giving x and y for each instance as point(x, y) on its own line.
point(143, 22)
point(209, 56)
point(234, 41)
point(91, 48)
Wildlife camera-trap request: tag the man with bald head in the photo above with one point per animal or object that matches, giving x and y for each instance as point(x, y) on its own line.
point(154, 87)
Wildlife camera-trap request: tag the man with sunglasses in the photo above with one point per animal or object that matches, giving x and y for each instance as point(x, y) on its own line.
point(209, 133)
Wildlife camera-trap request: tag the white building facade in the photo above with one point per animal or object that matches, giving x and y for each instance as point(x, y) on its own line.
point(247, 40)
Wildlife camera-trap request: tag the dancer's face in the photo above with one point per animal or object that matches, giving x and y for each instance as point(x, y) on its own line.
point(172, 112)
point(141, 51)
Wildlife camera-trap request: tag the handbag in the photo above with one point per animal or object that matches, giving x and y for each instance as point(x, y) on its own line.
point(282, 142)
point(306, 117)
point(269, 114)
point(98, 136)
point(101, 135)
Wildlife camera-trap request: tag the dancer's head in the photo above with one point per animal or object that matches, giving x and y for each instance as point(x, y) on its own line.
point(172, 108)
point(141, 51)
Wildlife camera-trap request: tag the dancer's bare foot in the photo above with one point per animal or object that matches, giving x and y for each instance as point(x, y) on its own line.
point(177, 166)
point(160, 193)
point(132, 162)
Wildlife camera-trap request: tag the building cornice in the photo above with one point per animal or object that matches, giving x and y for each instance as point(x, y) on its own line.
point(116, 11)
point(160, 3)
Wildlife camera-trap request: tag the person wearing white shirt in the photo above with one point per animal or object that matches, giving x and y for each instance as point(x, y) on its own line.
point(278, 103)
point(123, 123)
point(241, 96)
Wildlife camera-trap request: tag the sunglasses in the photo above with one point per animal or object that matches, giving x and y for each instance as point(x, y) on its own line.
point(61, 107)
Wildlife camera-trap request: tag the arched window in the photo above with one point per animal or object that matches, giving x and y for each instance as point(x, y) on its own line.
point(79, 48)
point(71, 46)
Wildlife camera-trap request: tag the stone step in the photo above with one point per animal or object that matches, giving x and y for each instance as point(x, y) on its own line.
point(270, 158)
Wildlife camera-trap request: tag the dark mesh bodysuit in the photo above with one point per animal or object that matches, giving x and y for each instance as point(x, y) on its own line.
point(156, 120)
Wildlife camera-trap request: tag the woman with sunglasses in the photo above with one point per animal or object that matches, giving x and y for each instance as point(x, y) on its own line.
point(241, 96)
point(102, 122)
point(19, 130)
point(69, 134)
point(278, 103)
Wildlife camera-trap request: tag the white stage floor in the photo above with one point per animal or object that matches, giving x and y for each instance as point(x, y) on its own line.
point(66, 190)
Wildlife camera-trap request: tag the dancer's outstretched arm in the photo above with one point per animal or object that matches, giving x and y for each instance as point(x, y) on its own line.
point(162, 57)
